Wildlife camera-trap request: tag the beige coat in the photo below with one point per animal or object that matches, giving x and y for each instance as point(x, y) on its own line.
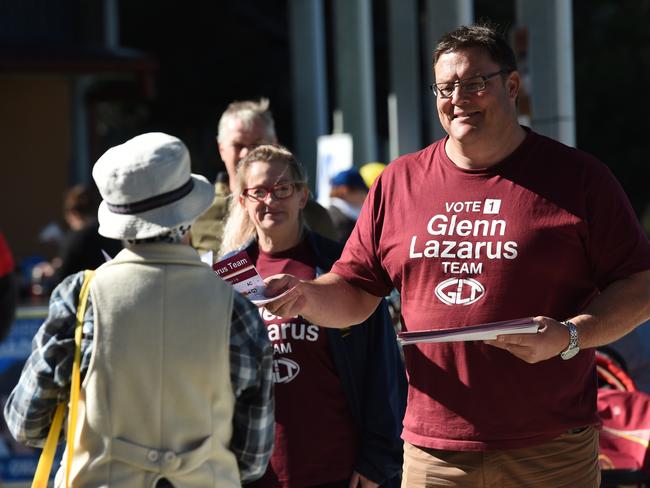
point(157, 399)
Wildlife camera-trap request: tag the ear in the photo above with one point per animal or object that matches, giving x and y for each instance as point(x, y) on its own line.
point(242, 201)
point(304, 196)
point(513, 83)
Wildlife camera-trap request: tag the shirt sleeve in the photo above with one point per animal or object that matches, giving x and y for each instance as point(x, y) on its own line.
point(617, 244)
point(360, 264)
point(251, 358)
point(45, 379)
point(6, 258)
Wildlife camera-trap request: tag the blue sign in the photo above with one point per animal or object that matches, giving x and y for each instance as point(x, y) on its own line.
point(17, 462)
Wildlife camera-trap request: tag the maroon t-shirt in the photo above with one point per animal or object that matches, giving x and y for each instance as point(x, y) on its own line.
point(540, 233)
point(316, 440)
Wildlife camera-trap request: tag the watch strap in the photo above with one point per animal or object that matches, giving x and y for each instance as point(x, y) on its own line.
point(572, 348)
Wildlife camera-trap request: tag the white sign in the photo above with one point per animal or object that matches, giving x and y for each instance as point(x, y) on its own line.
point(334, 156)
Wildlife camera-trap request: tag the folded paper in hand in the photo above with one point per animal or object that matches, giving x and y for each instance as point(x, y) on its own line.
point(239, 271)
point(481, 332)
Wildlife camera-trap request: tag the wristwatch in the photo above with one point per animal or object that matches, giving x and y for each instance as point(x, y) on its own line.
point(573, 348)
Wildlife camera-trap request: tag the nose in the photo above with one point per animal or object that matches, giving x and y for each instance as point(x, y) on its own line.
point(243, 152)
point(458, 96)
point(269, 198)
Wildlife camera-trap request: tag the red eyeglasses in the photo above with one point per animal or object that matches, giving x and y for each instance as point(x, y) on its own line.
point(280, 191)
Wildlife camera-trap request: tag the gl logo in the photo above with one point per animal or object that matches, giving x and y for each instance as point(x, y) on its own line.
point(284, 370)
point(460, 291)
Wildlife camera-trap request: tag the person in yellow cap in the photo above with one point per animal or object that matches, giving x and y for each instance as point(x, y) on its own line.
point(370, 172)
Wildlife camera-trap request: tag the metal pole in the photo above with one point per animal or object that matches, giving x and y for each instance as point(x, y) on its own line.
point(404, 107)
point(309, 79)
point(355, 75)
point(550, 27)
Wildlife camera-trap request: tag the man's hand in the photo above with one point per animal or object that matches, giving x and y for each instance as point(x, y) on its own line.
point(328, 301)
point(551, 339)
point(360, 480)
point(291, 304)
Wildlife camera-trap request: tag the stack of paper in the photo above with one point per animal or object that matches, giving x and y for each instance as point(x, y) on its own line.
point(479, 332)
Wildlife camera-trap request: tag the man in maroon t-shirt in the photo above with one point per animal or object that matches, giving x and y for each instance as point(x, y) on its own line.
point(493, 222)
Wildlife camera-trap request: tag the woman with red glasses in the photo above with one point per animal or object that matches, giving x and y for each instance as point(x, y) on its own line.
point(339, 394)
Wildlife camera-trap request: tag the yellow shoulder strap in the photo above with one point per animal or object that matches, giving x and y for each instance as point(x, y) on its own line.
point(42, 474)
point(76, 371)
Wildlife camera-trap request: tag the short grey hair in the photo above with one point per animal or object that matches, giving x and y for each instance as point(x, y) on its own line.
point(171, 235)
point(248, 111)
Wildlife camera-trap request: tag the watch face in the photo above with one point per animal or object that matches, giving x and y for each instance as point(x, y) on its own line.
point(569, 353)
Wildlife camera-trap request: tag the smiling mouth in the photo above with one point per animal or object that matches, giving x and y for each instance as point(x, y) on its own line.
point(464, 115)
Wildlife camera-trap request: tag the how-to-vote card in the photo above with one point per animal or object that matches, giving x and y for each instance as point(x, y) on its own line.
point(239, 271)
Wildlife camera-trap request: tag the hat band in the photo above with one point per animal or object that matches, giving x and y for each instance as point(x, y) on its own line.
point(153, 202)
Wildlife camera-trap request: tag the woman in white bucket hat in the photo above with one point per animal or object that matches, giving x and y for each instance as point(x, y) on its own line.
point(147, 188)
point(176, 378)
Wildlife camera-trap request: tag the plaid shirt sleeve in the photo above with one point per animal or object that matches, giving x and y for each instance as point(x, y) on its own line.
point(45, 379)
point(251, 359)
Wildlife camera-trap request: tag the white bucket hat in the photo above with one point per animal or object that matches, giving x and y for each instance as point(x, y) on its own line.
point(147, 187)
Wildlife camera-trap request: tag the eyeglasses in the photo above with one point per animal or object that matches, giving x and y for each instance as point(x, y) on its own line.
point(280, 191)
point(469, 85)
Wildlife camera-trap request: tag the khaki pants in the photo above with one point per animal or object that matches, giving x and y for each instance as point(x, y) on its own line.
point(570, 461)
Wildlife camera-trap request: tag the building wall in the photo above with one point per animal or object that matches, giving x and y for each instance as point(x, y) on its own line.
point(35, 137)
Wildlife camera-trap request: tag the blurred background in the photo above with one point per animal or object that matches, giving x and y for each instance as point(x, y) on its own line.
point(79, 76)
